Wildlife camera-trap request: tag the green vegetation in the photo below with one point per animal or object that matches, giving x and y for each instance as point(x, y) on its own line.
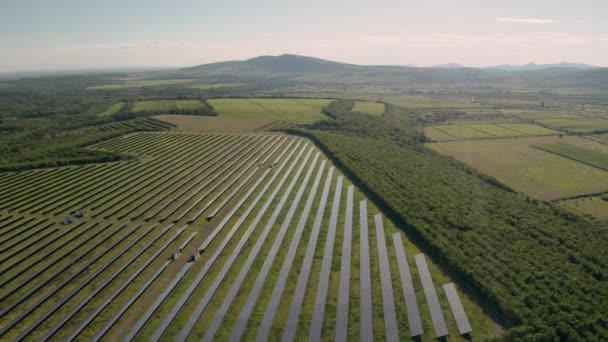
point(596, 206)
point(293, 110)
point(525, 259)
point(374, 108)
point(462, 132)
point(167, 105)
point(589, 157)
point(528, 129)
point(526, 169)
point(113, 109)
point(578, 125)
point(68, 148)
point(138, 84)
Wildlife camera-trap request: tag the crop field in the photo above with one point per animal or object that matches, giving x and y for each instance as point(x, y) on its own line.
point(215, 85)
point(210, 124)
point(594, 206)
point(138, 84)
point(167, 105)
point(488, 130)
point(293, 110)
point(113, 109)
point(374, 108)
point(583, 155)
point(212, 236)
point(577, 125)
point(518, 164)
point(421, 101)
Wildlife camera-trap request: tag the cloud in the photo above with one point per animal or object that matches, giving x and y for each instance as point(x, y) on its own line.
point(528, 20)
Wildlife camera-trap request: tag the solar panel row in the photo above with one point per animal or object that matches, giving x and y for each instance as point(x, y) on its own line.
point(391, 330)
point(365, 304)
point(439, 325)
point(464, 327)
point(413, 313)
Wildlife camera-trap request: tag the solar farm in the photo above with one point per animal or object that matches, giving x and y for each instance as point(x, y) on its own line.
point(214, 237)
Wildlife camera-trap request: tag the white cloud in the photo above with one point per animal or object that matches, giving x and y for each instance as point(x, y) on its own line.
point(528, 20)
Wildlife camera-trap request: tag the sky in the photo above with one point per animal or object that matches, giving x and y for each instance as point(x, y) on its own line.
point(38, 35)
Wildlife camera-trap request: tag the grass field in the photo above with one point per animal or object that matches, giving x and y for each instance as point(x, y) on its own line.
point(481, 130)
point(215, 85)
point(540, 114)
point(213, 124)
point(421, 101)
point(526, 169)
point(374, 108)
point(594, 206)
point(113, 109)
point(577, 125)
point(167, 105)
point(294, 110)
point(139, 84)
point(110, 266)
point(462, 132)
point(583, 155)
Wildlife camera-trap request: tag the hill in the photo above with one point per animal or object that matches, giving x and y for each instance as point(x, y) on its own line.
point(312, 70)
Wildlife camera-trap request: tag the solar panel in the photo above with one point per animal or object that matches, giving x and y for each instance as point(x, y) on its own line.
point(365, 304)
point(439, 325)
point(318, 313)
point(345, 264)
point(296, 303)
point(413, 313)
point(391, 330)
point(464, 327)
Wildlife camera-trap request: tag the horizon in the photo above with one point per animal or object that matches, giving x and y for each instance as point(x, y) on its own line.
point(81, 35)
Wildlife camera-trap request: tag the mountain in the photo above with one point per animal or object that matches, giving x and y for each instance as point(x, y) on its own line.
point(532, 66)
point(291, 69)
point(450, 66)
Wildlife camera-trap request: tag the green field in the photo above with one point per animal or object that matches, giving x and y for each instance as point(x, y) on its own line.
point(496, 130)
point(594, 206)
point(374, 108)
point(577, 125)
point(215, 85)
point(484, 130)
point(583, 155)
point(528, 129)
point(526, 169)
point(167, 105)
point(421, 101)
point(139, 84)
point(462, 132)
point(294, 110)
point(113, 109)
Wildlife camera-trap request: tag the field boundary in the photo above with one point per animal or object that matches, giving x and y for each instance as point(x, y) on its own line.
point(568, 157)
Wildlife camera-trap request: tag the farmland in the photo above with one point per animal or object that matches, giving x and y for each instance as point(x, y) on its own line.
point(374, 108)
point(167, 105)
point(138, 84)
point(294, 110)
point(586, 156)
point(595, 206)
point(211, 196)
point(527, 169)
point(211, 124)
point(577, 125)
point(487, 131)
point(113, 109)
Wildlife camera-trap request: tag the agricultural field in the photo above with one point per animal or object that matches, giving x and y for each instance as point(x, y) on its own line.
point(583, 155)
point(205, 86)
point(594, 206)
point(421, 101)
point(487, 131)
point(167, 105)
point(214, 236)
point(374, 108)
point(518, 164)
point(211, 124)
point(128, 84)
point(293, 110)
point(113, 109)
point(577, 125)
